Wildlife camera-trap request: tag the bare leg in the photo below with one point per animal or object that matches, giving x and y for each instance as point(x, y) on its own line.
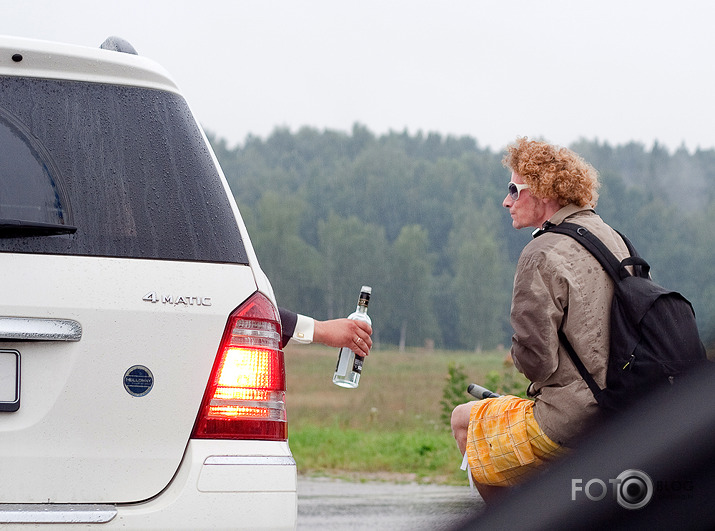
point(460, 424)
point(460, 430)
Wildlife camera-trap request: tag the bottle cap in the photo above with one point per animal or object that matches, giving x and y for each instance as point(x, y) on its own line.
point(366, 289)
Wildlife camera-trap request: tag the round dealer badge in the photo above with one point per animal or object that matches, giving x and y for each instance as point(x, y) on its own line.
point(138, 380)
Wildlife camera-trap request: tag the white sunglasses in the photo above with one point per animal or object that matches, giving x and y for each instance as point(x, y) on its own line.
point(515, 190)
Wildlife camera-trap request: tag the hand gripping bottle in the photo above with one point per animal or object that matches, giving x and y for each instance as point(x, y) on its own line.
point(349, 368)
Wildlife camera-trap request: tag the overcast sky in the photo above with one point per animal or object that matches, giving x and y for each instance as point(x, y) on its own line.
point(612, 70)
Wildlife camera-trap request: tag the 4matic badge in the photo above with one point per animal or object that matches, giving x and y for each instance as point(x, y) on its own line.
point(176, 300)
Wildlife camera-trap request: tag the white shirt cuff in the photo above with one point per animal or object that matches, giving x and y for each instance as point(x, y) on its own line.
point(304, 329)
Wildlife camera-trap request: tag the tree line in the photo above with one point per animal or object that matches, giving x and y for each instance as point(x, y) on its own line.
point(419, 218)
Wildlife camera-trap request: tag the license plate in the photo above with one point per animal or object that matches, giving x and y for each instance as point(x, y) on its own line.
point(9, 380)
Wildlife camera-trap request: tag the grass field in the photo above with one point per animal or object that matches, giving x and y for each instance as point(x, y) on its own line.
point(390, 427)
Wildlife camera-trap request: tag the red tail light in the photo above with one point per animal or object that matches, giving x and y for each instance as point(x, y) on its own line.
point(245, 396)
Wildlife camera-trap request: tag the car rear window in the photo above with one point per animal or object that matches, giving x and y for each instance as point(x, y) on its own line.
point(127, 166)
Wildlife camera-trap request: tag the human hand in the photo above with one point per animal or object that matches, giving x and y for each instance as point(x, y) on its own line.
point(339, 333)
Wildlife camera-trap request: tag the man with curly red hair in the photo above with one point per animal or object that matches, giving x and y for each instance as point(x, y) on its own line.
point(558, 285)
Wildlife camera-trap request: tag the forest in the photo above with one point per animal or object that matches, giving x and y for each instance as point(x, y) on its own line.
point(419, 218)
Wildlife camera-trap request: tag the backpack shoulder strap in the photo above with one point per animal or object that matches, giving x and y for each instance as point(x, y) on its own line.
point(582, 370)
point(612, 266)
point(616, 269)
point(641, 268)
point(631, 249)
point(593, 245)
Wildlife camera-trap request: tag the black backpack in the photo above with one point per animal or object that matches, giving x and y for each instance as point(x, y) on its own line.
point(654, 337)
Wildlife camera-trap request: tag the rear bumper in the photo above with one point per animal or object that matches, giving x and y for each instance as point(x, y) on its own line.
point(219, 485)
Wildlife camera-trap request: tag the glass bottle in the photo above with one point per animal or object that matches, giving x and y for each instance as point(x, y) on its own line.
point(349, 368)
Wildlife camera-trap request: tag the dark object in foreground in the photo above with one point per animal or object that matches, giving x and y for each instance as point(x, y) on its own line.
point(661, 452)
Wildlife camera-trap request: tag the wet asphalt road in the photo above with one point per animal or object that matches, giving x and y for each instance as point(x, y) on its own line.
point(328, 504)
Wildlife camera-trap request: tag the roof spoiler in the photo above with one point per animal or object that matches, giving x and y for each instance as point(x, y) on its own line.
point(117, 44)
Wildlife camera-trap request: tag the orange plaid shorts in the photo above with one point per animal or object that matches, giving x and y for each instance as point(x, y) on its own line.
point(504, 442)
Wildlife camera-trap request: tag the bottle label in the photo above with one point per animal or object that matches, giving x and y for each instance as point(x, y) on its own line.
point(357, 364)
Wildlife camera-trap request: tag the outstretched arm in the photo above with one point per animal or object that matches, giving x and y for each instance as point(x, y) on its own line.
point(338, 333)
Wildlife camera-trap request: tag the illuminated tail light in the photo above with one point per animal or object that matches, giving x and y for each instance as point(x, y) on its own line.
point(245, 396)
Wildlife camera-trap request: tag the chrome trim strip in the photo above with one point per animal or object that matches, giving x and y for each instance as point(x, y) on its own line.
point(243, 331)
point(36, 329)
point(254, 460)
point(266, 404)
point(56, 513)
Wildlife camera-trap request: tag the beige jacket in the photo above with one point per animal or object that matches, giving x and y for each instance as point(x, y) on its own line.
point(558, 283)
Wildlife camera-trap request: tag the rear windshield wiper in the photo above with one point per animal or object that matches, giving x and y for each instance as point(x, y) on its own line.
point(15, 228)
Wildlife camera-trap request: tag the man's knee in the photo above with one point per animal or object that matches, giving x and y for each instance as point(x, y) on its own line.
point(460, 420)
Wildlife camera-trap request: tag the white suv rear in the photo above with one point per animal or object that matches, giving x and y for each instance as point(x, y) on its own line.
point(142, 383)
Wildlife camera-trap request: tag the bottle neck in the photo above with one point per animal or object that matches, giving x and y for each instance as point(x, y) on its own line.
point(363, 300)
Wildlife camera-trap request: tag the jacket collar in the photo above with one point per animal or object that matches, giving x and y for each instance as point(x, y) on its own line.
point(567, 211)
point(561, 215)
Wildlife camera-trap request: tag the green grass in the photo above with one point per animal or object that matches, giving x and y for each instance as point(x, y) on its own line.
point(430, 457)
point(390, 427)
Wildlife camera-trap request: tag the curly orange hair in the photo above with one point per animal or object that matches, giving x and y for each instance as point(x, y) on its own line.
point(553, 171)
